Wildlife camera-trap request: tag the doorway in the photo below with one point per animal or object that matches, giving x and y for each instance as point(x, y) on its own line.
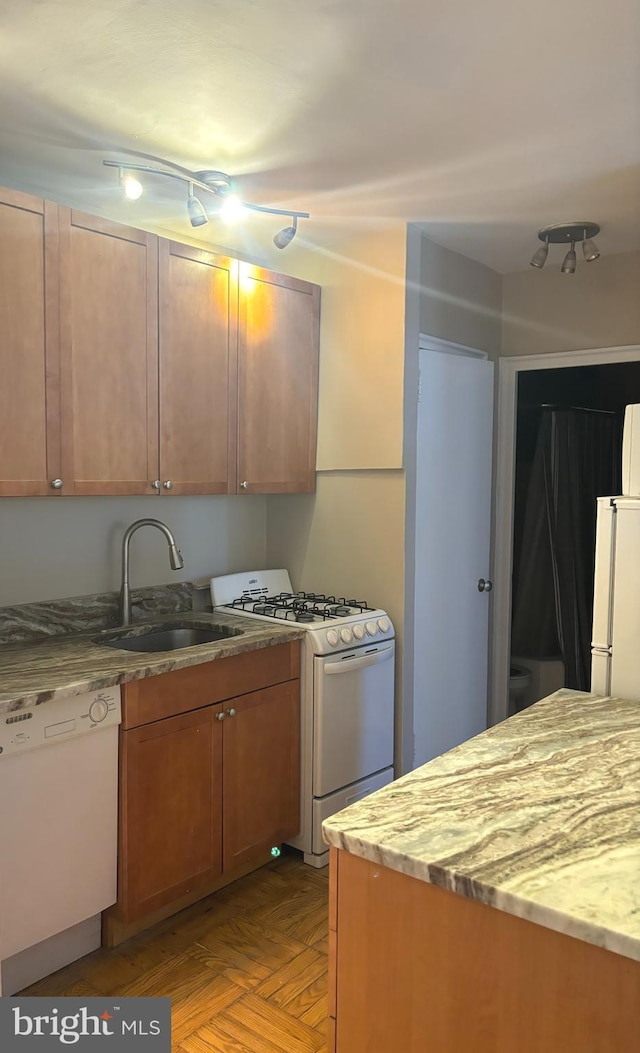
point(538, 596)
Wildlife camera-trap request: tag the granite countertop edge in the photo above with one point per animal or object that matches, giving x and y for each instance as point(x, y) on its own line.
point(538, 817)
point(32, 674)
point(519, 906)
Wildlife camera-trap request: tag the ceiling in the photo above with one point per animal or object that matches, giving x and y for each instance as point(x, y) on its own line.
point(482, 122)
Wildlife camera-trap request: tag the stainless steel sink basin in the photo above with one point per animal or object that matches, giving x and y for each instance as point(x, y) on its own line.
point(169, 638)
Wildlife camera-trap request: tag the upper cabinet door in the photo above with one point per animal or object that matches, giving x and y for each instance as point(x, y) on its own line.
point(108, 346)
point(278, 325)
point(198, 310)
point(29, 390)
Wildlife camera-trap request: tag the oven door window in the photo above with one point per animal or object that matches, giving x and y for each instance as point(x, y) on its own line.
point(353, 716)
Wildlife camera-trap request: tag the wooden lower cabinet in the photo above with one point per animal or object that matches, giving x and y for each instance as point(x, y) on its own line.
point(419, 969)
point(204, 793)
point(171, 823)
point(261, 769)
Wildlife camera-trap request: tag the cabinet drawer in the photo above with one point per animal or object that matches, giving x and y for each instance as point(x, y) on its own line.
point(168, 694)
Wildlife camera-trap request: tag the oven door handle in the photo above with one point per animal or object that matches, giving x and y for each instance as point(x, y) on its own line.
point(347, 664)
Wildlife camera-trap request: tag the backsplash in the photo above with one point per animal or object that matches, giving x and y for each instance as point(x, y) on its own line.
point(32, 621)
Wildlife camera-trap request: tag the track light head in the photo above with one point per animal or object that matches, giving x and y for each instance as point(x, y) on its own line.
point(286, 235)
point(197, 215)
point(539, 257)
point(569, 262)
point(131, 186)
point(232, 209)
point(590, 250)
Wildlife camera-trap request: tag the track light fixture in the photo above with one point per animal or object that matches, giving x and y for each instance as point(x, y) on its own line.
point(567, 233)
point(219, 184)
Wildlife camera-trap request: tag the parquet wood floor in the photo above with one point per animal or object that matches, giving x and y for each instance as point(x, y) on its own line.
point(246, 968)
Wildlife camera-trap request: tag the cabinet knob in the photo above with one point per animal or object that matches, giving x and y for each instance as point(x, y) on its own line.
point(245, 485)
point(156, 484)
point(220, 716)
point(168, 485)
point(231, 712)
point(485, 586)
point(56, 484)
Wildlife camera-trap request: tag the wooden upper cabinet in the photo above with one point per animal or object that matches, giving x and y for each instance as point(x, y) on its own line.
point(198, 307)
point(261, 772)
point(29, 389)
point(109, 356)
point(278, 327)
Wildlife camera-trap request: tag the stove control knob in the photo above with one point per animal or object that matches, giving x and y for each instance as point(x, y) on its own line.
point(371, 628)
point(358, 631)
point(98, 710)
point(383, 625)
point(332, 637)
point(345, 634)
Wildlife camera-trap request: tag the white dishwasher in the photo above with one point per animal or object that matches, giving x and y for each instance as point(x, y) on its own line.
point(58, 831)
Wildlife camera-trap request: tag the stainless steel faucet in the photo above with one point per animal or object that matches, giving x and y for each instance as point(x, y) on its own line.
point(175, 558)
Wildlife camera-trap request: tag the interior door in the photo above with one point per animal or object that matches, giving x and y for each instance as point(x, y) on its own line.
point(453, 522)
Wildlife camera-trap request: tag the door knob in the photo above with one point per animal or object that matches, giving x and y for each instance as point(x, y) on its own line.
point(56, 484)
point(485, 586)
point(168, 485)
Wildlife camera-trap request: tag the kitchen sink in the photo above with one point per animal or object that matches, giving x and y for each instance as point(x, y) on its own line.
point(169, 638)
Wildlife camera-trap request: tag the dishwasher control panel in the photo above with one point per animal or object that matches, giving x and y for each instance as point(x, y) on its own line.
point(58, 719)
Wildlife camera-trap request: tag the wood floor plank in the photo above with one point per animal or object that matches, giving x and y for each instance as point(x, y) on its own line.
point(202, 1005)
point(177, 977)
point(263, 1019)
point(254, 949)
point(286, 986)
point(215, 1039)
point(316, 1013)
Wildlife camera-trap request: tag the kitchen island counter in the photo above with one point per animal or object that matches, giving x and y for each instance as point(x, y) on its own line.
point(39, 672)
point(538, 817)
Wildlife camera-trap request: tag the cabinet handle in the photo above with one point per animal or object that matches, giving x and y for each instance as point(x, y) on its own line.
point(156, 484)
point(220, 716)
point(168, 485)
point(56, 484)
point(231, 712)
point(244, 485)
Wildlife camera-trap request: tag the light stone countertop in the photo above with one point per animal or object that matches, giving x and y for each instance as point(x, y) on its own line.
point(39, 672)
point(538, 817)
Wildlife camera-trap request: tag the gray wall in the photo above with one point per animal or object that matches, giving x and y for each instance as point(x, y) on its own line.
point(460, 299)
point(598, 306)
point(56, 547)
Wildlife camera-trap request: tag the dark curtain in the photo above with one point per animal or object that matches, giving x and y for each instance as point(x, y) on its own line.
point(577, 459)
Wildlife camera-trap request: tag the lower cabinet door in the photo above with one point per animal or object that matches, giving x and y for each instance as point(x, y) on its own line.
point(261, 772)
point(170, 810)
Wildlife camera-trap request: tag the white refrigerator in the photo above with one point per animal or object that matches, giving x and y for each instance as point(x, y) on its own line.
point(615, 651)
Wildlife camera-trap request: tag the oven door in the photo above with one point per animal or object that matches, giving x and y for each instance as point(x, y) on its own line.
point(352, 715)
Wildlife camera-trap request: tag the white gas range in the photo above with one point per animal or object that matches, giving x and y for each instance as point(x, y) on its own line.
point(347, 692)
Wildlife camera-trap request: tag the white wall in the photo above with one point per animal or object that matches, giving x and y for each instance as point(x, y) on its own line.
point(598, 306)
point(70, 546)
